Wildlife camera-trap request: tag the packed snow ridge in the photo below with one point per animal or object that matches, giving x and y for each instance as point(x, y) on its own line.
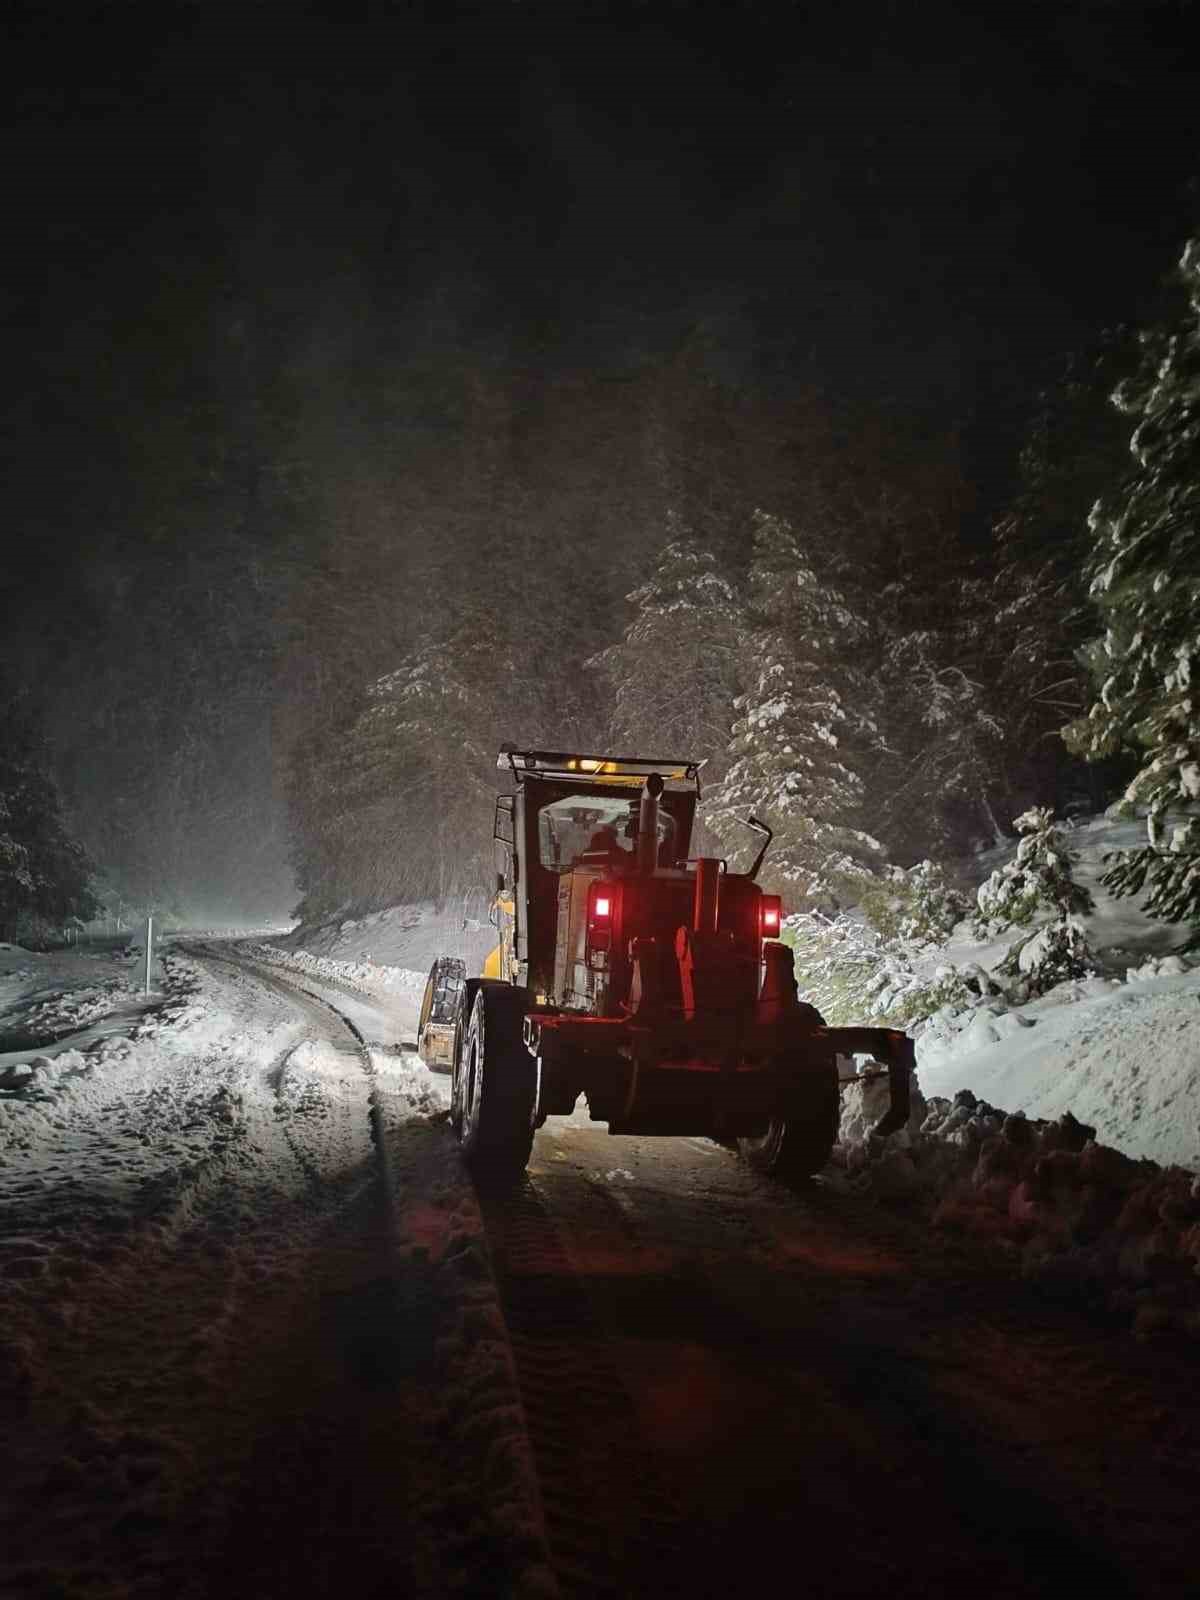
point(1071, 1212)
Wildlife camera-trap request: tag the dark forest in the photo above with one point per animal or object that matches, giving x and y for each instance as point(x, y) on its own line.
point(727, 382)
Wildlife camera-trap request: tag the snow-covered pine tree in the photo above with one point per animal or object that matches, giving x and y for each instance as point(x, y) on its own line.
point(430, 735)
point(805, 711)
point(672, 677)
point(395, 799)
point(1031, 615)
point(915, 906)
point(1038, 880)
point(852, 972)
point(45, 875)
point(1146, 586)
point(943, 740)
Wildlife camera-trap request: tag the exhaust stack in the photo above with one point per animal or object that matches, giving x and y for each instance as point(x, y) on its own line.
point(705, 906)
point(647, 845)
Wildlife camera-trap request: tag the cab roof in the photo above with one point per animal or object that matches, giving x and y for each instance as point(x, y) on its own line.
point(621, 772)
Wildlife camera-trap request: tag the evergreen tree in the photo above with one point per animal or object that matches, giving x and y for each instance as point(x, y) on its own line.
point(1029, 617)
point(44, 873)
point(391, 800)
point(672, 678)
point(939, 766)
point(912, 906)
point(1146, 587)
point(1038, 881)
point(804, 717)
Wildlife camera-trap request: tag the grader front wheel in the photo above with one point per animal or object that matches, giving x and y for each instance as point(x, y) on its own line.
point(797, 1145)
point(439, 1011)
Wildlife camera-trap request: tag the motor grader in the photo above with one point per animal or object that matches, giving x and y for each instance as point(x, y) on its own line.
point(650, 981)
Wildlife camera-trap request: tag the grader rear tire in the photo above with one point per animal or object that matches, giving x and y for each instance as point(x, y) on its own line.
point(796, 1146)
point(495, 1088)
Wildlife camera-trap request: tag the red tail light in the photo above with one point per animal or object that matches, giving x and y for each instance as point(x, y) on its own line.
point(602, 904)
point(771, 915)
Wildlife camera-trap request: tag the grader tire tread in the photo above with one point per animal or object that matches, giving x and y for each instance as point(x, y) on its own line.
point(496, 1085)
point(797, 1146)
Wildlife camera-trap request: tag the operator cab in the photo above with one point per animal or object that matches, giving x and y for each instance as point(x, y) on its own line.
point(598, 830)
point(574, 818)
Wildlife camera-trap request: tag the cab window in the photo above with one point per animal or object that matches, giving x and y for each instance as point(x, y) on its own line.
point(582, 829)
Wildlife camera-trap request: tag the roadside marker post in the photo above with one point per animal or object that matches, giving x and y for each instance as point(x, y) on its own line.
point(149, 947)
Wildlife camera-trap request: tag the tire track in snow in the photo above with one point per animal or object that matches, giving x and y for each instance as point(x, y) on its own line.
point(480, 1521)
point(612, 1518)
point(235, 1306)
point(271, 978)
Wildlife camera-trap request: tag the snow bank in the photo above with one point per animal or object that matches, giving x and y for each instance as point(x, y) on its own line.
point(91, 1131)
point(406, 936)
point(386, 955)
point(366, 977)
point(383, 1003)
point(1119, 1050)
point(1078, 1216)
point(1124, 1057)
point(1088, 1174)
point(55, 1000)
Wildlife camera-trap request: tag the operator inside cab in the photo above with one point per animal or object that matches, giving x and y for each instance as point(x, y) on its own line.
point(605, 842)
point(605, 838)
point(598, 831)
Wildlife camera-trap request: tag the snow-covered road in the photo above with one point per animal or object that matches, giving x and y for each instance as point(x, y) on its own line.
point(802, 1384)
point(259, 1338)
point(242, 1296)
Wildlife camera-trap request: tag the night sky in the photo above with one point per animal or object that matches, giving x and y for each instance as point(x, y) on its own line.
point(931, 204)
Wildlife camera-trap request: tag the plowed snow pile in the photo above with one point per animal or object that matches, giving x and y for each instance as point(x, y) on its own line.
point(1078, 1215)
point(1066, 1129)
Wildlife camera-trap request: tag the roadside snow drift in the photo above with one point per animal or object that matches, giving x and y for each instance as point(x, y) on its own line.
point(1124, 1057)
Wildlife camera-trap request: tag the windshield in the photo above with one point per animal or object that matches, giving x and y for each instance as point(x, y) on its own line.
point(600, 830)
